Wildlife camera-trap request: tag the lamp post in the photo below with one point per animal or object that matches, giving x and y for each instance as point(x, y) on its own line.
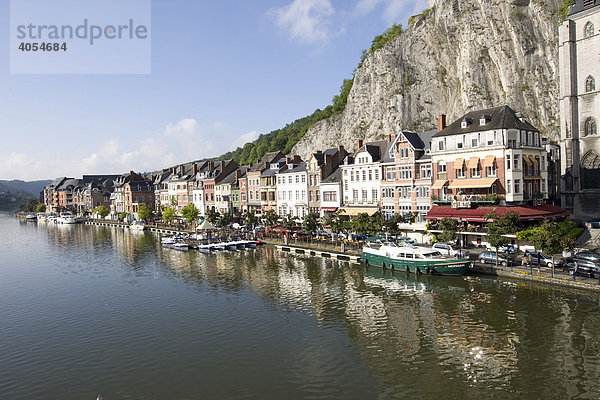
point(459, 238)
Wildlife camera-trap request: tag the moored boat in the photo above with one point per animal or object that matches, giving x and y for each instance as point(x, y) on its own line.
point(413, 259)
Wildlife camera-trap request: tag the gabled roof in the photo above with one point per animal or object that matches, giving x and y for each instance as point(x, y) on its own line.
point(376, 149)
point(502, 117)
point(582, 5)
point(298, 168)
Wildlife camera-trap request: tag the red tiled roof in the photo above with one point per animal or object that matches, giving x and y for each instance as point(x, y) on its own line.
point(526, 213)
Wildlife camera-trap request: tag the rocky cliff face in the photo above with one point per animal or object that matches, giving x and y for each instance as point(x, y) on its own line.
point(458, 56)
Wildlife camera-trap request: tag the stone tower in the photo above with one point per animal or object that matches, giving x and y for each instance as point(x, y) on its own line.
point(579, 65)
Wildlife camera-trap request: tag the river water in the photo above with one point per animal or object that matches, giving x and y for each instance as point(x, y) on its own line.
point(88, 311)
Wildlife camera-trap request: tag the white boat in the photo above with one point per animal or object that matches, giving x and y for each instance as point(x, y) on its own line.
point(41, 217)
point(137, 226)
point(31, 218)
point(180, 246)
point(413, 259)
point(66, 218)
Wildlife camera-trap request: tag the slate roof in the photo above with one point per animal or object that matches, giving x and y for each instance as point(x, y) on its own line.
point(502, 117)
point(582, 5)
point(377, 149)
point(299, 168)
point(334, 177)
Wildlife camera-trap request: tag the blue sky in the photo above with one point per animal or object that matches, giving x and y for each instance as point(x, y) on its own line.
point(223, 72)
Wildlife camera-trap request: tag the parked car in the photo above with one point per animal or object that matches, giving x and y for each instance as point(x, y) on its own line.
point(588, 255)
point(545, 260)
point(585, 267)
point(489, 257)
point(446, 248)
point(502, 249)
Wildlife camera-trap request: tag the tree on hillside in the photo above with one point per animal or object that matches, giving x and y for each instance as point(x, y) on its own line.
point(498, 226)
point(40, 208)
point(169, 214)
point(102, 211)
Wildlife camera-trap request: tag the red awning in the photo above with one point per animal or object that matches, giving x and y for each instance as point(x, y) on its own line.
point(526, 213)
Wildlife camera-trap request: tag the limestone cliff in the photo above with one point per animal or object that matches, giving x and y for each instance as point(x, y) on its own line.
point(456, 57)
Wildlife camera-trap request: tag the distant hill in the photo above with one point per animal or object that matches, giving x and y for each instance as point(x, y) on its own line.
point(32, 188)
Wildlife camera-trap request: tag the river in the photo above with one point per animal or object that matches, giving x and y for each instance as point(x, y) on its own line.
point(88, 311)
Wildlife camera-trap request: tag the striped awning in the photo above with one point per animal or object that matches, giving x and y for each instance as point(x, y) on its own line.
point(473, 162)
point(439, 184)
point(535, 161)
point(527, 160)
point(355, 211)
point(489, 161)
point(472, 183)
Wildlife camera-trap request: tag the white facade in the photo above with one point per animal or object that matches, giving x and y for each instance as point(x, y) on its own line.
point(331, 196)
point(361, 181)
point(292, 192)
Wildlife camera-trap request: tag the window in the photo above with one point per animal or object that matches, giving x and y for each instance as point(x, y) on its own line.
point(310, 195)
point(370, 175)
point(297, 179)
point(442, 144)
point(543, 162)
point(425, 171)
point(329, 196)
point(374, 193)
point(442, 167)
point(590, 127)
point(318, 194)
point(543, 186)
point(490, 138)
point(297, 195)
point(517, 186)
point(460, 173)
point(590, 84)
point(516, 161)
point(474, 140)
point(352, 176)
point(491, 170)
point(460, 143)
point(364, 175)
point(376, 174)
point(508, 162)
point(303, 178)
point(289, 179)
point(311, 181)
point(290, 195)
point(588, 30)
point(355, 196)
point(364, 195)
point(508, 186)
point(475, 172)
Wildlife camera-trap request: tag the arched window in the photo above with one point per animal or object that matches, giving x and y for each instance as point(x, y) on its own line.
point(590, 84)
point(590, 127)
point(590, 170)
point(588, 30)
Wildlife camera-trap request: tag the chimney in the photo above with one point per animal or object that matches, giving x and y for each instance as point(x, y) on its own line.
point(238, 173)
point(319, 151)
point(341, 148)
point(173, 170)
point(211, 165)
point(194, 168)
point(222, 164)
point(360, 143)
point(181, 170)
point(389, 138)
point(441, 122)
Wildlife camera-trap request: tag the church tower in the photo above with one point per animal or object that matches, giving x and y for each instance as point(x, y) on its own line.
point(579, 72)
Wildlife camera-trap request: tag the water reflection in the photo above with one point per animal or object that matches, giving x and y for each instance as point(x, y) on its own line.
point(416, 336)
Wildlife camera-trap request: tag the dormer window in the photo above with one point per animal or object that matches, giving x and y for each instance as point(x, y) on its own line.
point(485, 118)
point(466, 122)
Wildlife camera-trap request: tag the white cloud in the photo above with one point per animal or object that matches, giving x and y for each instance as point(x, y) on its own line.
point(307, 21)
point(243, 139)
point(178, 142)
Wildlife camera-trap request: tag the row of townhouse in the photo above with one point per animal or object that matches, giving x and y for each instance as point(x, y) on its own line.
point(486, 156)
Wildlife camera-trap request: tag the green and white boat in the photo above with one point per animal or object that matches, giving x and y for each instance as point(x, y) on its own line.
point(413, 259)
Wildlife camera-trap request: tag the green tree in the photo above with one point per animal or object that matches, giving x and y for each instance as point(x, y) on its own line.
point(225, 219)
point(270, 217)
point(102, 211)
point(122, 216)
point(449, 228)
point(289, 221)
point(250, 218)
point(213, 216)
point(169, 214)
point(145, 212)
point(499, 226)
point(363, 224)
point(311, 222)
point(40, 208)
point(392, 225)
point(190, 213)
point(30, 205)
